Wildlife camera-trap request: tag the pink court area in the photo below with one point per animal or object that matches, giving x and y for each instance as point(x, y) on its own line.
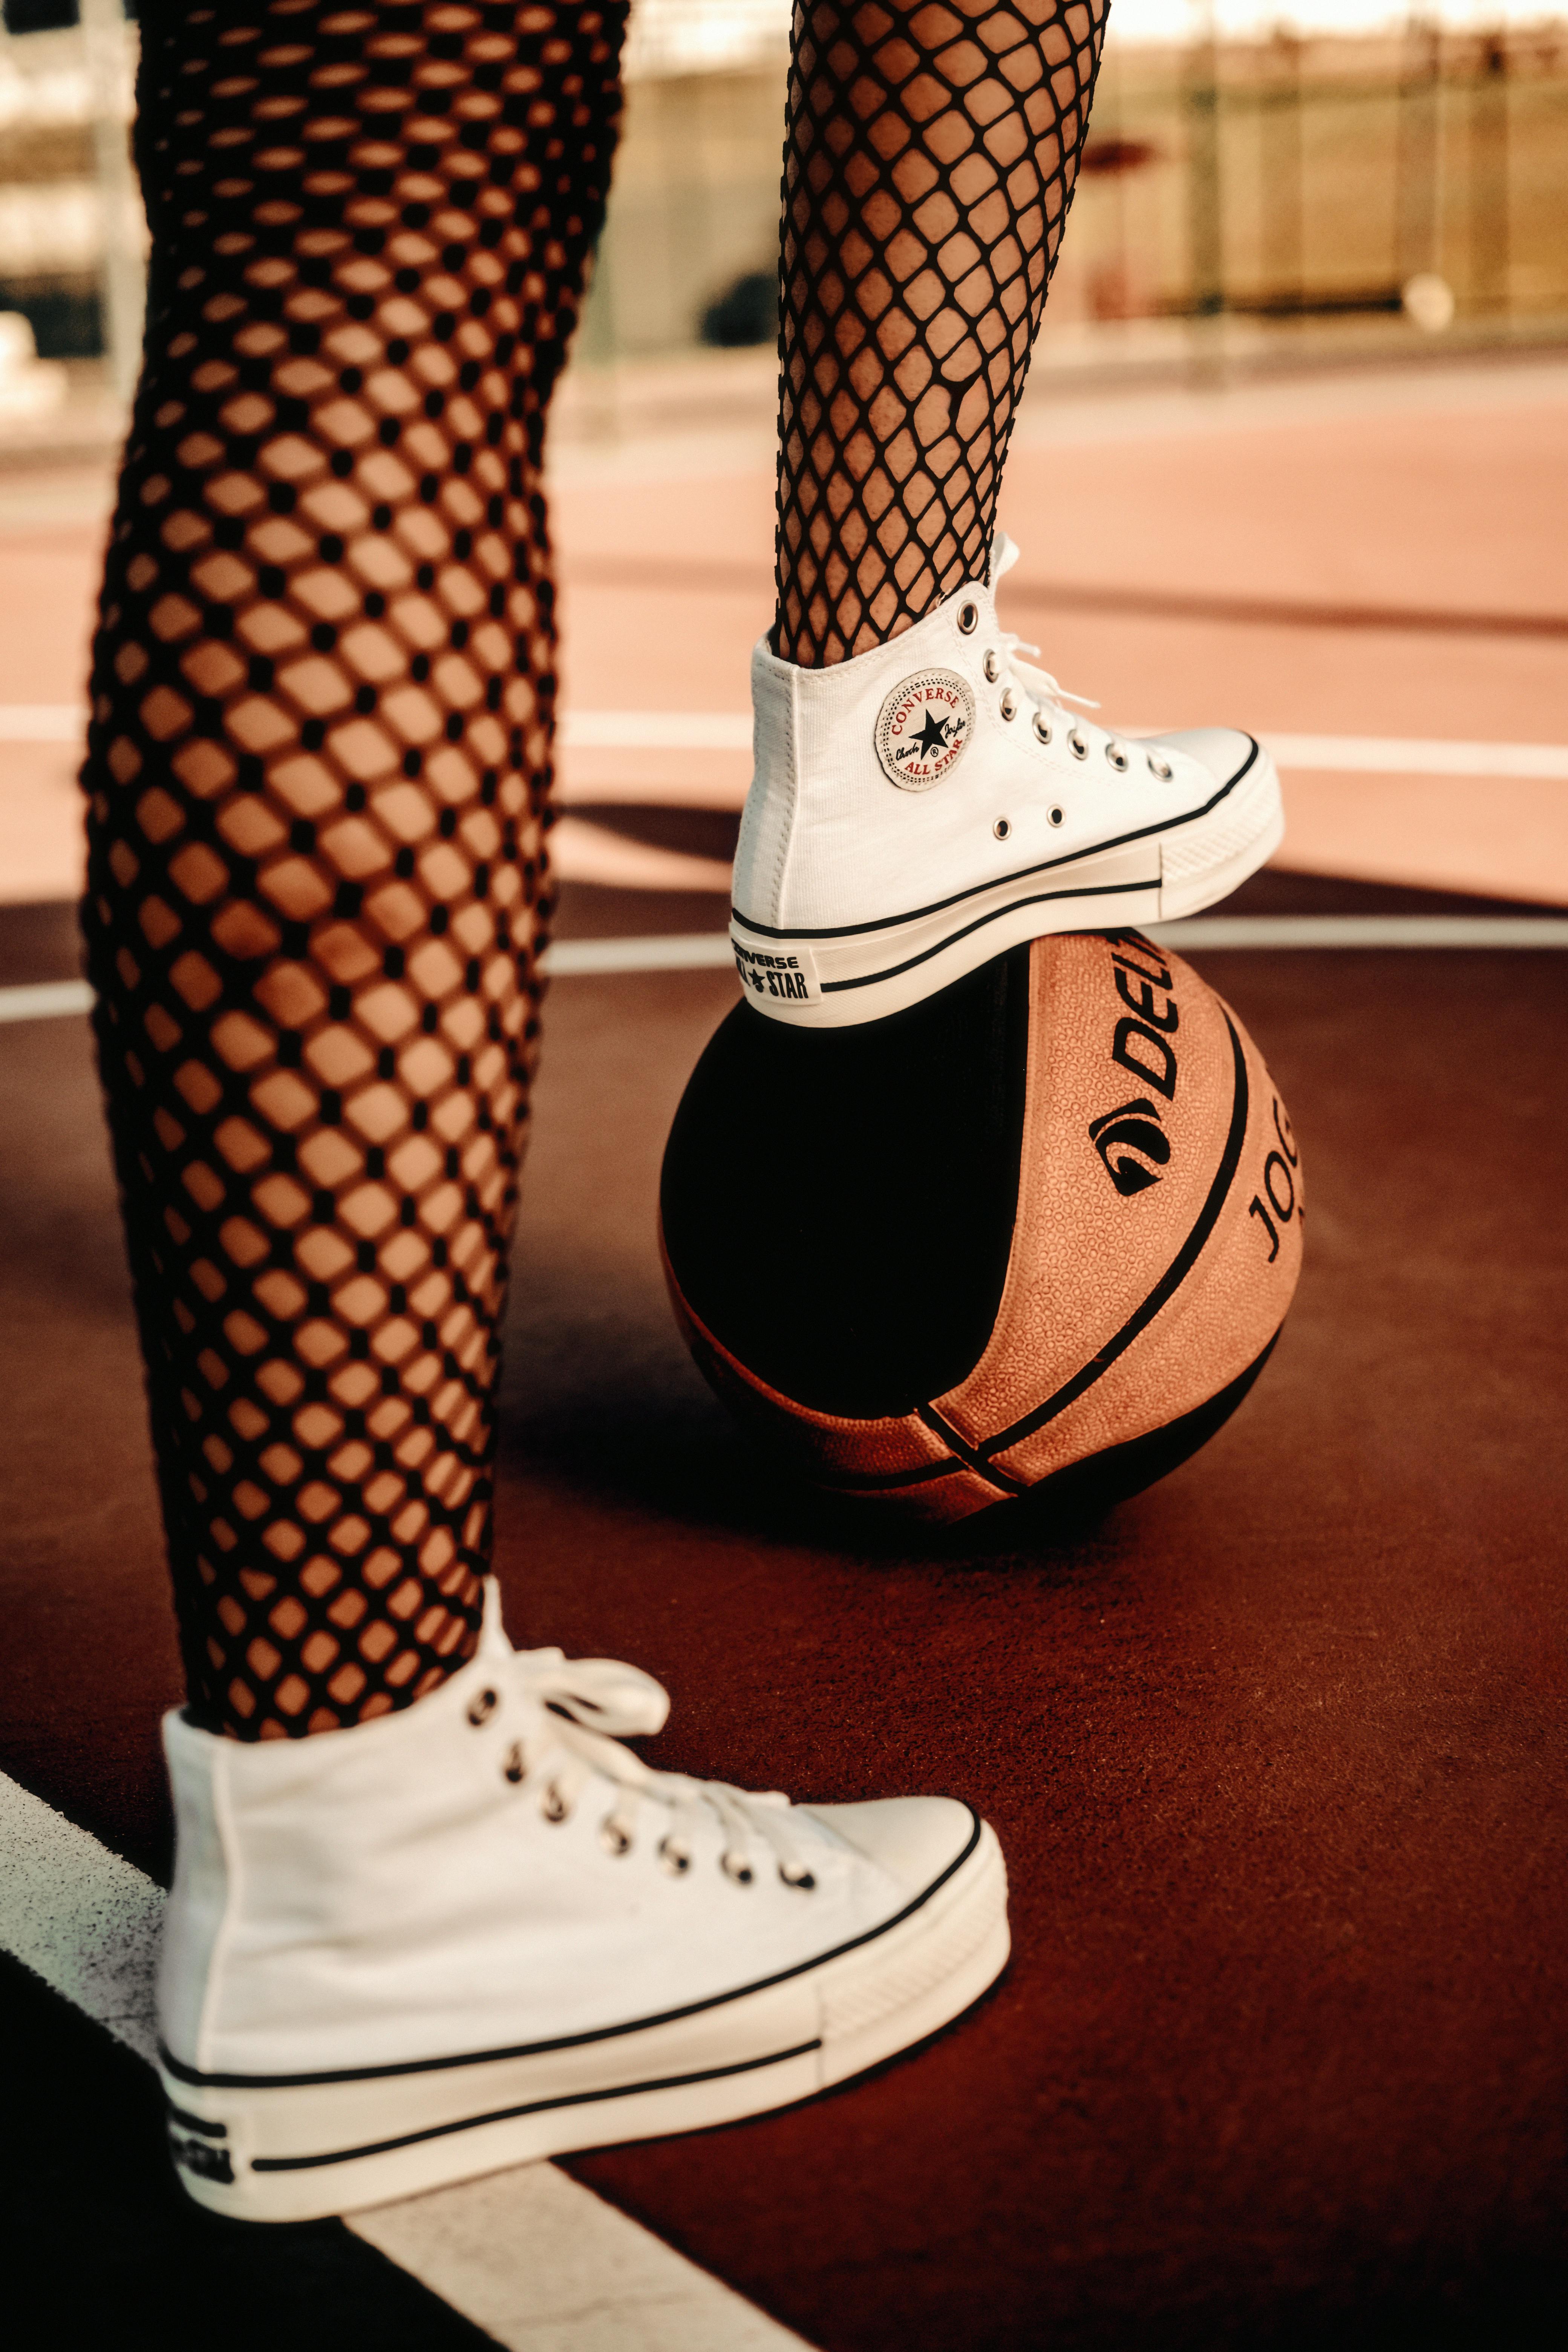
point(1374, 556)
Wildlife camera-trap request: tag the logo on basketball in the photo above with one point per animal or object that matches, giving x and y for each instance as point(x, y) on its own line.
point(923, 727)
point(1133, 1144)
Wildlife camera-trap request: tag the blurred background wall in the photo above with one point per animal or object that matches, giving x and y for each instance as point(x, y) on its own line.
point(1263, 185)
point(1296, 168)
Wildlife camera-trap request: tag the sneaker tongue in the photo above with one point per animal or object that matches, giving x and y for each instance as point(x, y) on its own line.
point(493, 1642)
point(1004, 555)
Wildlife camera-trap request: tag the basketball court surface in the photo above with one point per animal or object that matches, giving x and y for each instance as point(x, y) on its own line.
point(1276, 1750)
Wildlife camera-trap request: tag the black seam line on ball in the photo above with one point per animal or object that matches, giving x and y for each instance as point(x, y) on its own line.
point(183, 2074)
point(1046, 865)
point(1175, 1274)
point(1041, 898)
point(969, 1455)
point(533, 2107)
point(877, 1482)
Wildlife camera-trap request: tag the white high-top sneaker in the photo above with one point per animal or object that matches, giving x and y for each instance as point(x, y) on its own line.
point(479, 1932)
point(917, 810)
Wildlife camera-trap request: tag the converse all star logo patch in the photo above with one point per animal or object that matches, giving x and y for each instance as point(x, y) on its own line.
point(923, 727)
point(788, 977)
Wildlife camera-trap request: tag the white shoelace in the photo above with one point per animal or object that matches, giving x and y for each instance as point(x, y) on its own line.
point(1048, 695)
point(596, 1702)
point(1042, 688)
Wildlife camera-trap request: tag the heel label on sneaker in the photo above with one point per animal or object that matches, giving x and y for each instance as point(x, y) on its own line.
point(923, 728)
point(207, 2160)
point(787, 976)
point(194, 2144)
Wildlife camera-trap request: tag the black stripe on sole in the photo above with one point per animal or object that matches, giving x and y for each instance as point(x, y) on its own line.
point(997, 915)
point(533, 2107)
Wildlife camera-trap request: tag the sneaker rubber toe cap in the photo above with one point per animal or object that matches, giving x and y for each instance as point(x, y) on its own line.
point(1225, 752)
point(914, 1839)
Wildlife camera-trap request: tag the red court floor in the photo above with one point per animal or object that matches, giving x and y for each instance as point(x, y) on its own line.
point(1276, 1751)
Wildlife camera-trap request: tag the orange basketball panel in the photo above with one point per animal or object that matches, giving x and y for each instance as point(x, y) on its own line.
point(1151, 1261)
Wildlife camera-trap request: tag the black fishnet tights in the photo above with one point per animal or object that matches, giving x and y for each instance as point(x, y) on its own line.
point(322, 706)
point(930, 158)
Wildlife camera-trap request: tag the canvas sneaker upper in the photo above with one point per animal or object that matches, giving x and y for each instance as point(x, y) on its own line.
point(940, 764)
point(491, 1867)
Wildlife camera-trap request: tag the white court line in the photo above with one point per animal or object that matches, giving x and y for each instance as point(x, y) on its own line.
point(711, 951)
point(731, 730)
point(1385, 755)
point(656, 731)
point(1364, 931)
point(664, 951)
point(45, 1000)
point(42, 722)
point(531, 2256)
point(1392, 755)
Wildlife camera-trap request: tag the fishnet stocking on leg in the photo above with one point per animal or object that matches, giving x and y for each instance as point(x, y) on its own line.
point(930, 157)
point(320, 746)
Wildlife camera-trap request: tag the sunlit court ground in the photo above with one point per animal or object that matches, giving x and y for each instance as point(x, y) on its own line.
point(1276, 1750)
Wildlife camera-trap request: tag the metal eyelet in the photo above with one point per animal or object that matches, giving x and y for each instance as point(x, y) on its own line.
point(613, 1838)
point(1001, 828)
point(736, 1866)
point(484, 1705)
point(793, 1875)
point(1008, 705)
point(553, 1805)
point(1117, 757)
point(968, 618)
point(1042, 728)
point(674, 1857)
point(1160, 768)
point(1077, 745)
point(1056, 817)
point(993, 668)
point(516, 1764)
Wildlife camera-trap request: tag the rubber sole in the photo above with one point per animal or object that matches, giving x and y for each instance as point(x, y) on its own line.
point(835, 980)
point(298, 2150)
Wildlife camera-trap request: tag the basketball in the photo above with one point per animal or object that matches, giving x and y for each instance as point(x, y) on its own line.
point(1033, 1238)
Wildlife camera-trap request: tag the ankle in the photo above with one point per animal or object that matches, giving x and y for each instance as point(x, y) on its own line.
point(287, 1708)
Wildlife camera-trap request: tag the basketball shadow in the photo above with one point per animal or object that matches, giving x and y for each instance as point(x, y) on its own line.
point(664, 1447)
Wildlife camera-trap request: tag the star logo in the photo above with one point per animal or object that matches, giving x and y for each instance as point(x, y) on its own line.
point(923, 728)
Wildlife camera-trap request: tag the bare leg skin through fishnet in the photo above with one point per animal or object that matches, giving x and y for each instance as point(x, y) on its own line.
point(930, 158)
point(321, 707)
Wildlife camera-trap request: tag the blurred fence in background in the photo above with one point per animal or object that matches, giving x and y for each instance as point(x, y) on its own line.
point(1416, 171)
point(1294, 185)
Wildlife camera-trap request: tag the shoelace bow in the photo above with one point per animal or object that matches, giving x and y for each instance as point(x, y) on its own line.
point(1038, 684)
point(595, 1703)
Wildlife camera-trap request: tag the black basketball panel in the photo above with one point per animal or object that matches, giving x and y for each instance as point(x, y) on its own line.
point(839, 1205)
